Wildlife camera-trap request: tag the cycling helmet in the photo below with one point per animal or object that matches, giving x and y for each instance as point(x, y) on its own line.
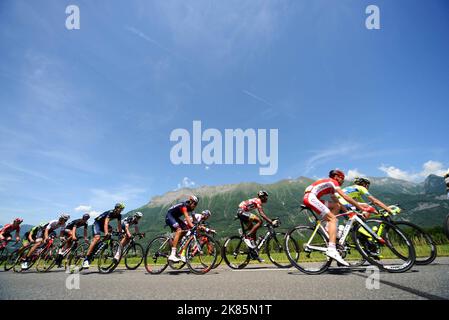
point(64, 216)
point(138, 215)
point(395, 210)
point(262, 194)
point(86, 216)
point(18, 220)
point(193, 199)
point(336, 172)
point(360, 181)
point(206, 213)
point(119, 206)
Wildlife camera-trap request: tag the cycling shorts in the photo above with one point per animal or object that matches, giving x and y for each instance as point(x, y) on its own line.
point(175, 223)
point(320, 207)
point(246, 216)
point(98, 227)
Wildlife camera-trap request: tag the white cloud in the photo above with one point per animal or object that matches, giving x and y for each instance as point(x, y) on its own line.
point(82, 208)
point(186, 183)
point(105, 199)
point(207, 167)
point(430, 167)
point(354, 173)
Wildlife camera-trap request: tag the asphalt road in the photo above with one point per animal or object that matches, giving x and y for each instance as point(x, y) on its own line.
point(256, 282)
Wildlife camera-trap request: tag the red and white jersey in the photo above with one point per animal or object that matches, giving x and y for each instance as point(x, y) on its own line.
point(251, 204)
point(322, 187)
point(8, 228)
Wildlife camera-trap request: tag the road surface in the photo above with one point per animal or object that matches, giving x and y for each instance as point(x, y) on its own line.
point(256, 282)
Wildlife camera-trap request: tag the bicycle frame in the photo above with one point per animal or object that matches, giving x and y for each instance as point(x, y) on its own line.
point(353, 218)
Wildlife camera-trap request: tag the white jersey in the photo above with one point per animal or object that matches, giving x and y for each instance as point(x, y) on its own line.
point(54, 225)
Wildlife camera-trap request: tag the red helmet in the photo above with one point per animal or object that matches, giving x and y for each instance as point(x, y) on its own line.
point(18, 220)
point(336, 172)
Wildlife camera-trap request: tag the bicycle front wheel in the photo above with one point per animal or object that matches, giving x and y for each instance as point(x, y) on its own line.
point(446, 226)
point(106, 263)
point(76, 258)
point(306, 250)
point(202, 252)
point(47, 259)
point(425, 248)
point(11, 260)
point(156, 255)
point(235, 253)
point(274, 248)
point(134, 256)
point(393, 253)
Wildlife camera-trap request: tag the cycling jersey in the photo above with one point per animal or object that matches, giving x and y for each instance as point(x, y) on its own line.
point(111, 214)
point(174, 216)
point(130, 221)
point(78, 223)
point(446, 180)
point(356, 192)
point(178, 210)
point(318, 189)
point(9, 228)
point(322, 187)
point(54, 225)
point(251, 204)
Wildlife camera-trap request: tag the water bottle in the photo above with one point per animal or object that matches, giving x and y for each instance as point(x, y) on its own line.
point(340, 231)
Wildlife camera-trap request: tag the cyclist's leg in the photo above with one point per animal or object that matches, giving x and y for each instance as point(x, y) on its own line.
point(97, 229)
point(257, 223)
point(176, 226)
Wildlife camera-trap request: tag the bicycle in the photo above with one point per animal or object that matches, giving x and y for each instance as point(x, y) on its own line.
point(47, 256)
point(132, 253)
point(104, 252)
point(201, 252)
point(7, 256)
point(237, 254)
point(420, 238)
point(381, 249)
point(76, 257)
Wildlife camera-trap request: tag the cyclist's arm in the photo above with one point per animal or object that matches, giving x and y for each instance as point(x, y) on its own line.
point(264, 216)
point(46, 234)
point(119, 224)
point(17, 235)
point(349, 199)
point(74, 232)
point(336, 200)
point(85, 232)
point(136, 228)
point(106, 226)
point(187, 217)
point(379, 203)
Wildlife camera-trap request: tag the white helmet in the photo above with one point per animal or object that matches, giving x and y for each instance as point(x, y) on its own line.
point(64, 216)
point(138, 214)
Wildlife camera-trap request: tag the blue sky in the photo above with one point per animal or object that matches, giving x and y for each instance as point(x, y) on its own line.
point(87, 114)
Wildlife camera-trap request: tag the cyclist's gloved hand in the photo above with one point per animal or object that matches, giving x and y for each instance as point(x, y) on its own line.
point(395, 210)
point(275, 223)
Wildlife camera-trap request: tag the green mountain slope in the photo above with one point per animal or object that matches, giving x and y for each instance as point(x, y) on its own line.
point(426, 209)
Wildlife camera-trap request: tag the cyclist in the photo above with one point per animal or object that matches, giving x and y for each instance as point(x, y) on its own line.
point(44, 233)
point(252, 221)
point(328, 210)
point(358, 191)
point(101, 224)
point(70, 235)
point(126, 223)
point(30, 236)
point(174, 220)
point(446, 180)
point(200, 218)
point(5, 232)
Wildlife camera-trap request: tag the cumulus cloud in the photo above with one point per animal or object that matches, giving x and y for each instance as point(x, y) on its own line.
point(430, 167)
point(82, 208)
point(354, 173)
point(186, 183)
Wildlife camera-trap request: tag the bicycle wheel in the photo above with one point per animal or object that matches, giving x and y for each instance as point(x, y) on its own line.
point(134, 256)
point(76, 258)
point(3, 255)
point(11, 260)
point(302, 250)
point(105, 260)
point(274, 247)
point(446, 226)
point(202, 252)
point(47, 259)
point(425, 248)
point(235, 253)
point(156, 255)
point(395, 253)
point(220, 255)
